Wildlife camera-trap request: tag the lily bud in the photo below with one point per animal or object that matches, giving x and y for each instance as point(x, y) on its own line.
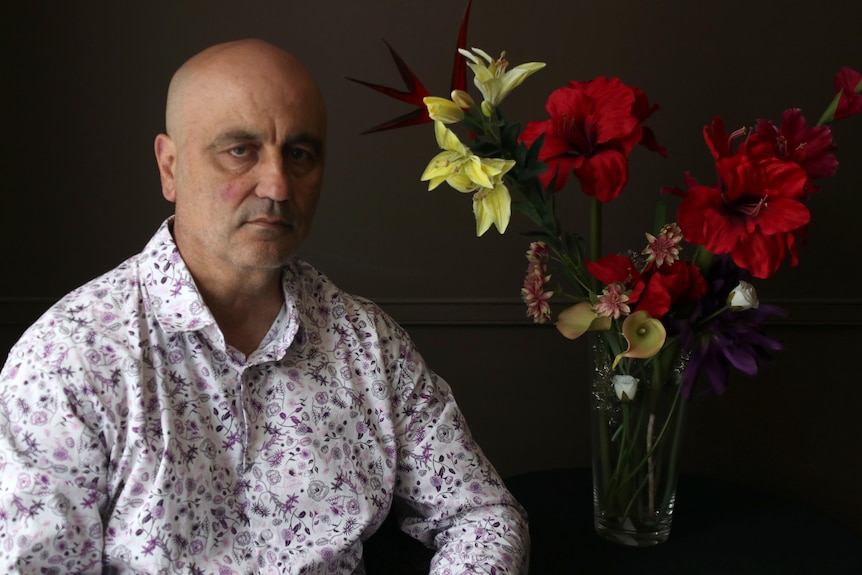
point(625, 386)
point(487, 108)
point(443, 110)
point(743, 297)
point(463, 99)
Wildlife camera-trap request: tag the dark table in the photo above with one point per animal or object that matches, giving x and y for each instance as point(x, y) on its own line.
point(718, 528)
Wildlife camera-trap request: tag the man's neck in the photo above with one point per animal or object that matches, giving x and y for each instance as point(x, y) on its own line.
point(246, 315)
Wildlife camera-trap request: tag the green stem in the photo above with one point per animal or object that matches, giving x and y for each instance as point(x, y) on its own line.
point(658, 440)
point(675, 446)
point(595, 236)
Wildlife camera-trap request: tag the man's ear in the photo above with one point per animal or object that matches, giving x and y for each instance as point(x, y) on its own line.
point(166, 158)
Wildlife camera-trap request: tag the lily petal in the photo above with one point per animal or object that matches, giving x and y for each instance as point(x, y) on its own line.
point(443, 110)
point(492, 206)
point(491, 77)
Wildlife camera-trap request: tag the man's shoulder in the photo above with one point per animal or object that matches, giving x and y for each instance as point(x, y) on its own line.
point(129, 290)
point(109, 304)
point(100, 301)
point(316, 293)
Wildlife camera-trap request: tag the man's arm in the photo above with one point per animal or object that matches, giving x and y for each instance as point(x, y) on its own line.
point(52, 467)
point(456, 500)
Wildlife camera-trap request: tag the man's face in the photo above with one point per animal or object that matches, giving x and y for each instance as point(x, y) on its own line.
point(247, 170)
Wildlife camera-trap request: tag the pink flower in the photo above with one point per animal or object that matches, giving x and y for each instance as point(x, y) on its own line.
point(535, 297)
point(612, 302)
point(664, 249)
point(533, 293)
point(538, 253)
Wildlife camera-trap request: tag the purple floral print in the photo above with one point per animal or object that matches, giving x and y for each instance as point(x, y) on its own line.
point(134, 440)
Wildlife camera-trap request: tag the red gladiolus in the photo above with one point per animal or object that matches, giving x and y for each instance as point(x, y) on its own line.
point(593, 127)
point(752, 214)
point(847, 81)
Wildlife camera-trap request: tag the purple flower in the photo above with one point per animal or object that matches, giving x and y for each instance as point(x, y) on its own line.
point(725, 338)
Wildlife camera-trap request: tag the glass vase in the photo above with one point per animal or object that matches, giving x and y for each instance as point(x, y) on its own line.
point(636, 439)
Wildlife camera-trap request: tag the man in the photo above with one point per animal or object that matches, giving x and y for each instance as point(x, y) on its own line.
point(214, 405)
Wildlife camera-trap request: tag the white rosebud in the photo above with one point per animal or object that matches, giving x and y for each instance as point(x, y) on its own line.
point(743, 297)
point(625, 386)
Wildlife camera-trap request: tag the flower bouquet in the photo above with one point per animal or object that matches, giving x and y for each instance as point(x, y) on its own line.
point(667, 320)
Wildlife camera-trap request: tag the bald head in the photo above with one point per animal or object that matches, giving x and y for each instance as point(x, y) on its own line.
point(242, 160)
point(243, 64)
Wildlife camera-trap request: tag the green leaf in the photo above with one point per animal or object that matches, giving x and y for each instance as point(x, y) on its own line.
point(829, 114)
point(485, 149)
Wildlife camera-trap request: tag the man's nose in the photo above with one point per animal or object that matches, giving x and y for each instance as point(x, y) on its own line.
point(274, 182)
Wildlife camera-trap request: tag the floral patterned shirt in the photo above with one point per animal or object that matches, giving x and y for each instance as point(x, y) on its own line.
point(134, 440)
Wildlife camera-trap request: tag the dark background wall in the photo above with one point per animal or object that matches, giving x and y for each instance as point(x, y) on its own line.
point(82, 99)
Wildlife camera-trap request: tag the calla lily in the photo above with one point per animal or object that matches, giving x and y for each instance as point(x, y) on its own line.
point(491, 77)
point(576, 320)
point(458, 166)
point(644, 334)
point(443, 110)
point(492, 206)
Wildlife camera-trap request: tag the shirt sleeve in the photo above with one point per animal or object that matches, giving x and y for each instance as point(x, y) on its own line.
point(455, 501)
point(52, 466)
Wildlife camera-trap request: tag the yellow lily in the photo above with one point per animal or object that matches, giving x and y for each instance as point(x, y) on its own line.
point(458, 166)
point(644, 334)
point(492, 206)
point(443, 110)
point(491, 77)
point(576, 320)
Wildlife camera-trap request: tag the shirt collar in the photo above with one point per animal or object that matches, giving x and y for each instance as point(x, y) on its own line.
point(177, 304)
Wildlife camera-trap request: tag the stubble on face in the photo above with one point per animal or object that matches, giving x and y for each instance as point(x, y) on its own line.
point(248, 124)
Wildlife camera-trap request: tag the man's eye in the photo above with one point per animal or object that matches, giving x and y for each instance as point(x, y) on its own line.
point(300, 155)
point(239, 151)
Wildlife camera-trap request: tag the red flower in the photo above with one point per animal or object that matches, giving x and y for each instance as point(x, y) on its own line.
point(617, 269)
point(592, 129)
point(752, 214)
point(719, 142)
point(655, 289)
point(810, 148)
point(847, 81)
point(681, 282)
point(415, 91)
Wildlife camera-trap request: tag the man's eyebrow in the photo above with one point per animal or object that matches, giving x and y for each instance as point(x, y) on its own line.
point(234, 137)
point(244, 136)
